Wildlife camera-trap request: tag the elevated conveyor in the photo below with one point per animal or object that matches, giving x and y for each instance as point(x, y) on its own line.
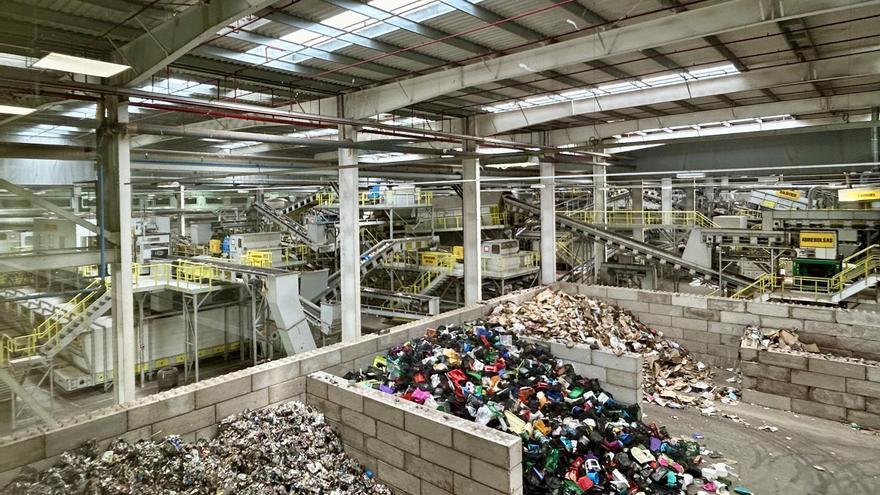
point(637, 248)
point(295, 229)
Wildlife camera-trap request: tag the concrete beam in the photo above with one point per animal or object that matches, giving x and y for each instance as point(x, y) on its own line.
point(548, 223)
point(844, 66)
point(165, 43)
point(727, 16)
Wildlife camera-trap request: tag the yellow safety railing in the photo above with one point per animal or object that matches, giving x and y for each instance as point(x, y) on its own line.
point(422, 198)
point(640, 217)
point(856, 266)
point(455, 221)
point(255, 257)
point(295, 252)
point(49, 329)
point(564, 248)
point(745, 212)
point(368, 236)
point(421, 283)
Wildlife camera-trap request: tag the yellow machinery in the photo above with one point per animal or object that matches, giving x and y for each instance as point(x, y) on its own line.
point(194, 272)
point(262, 259)
point(215, 246)
point(458, 252)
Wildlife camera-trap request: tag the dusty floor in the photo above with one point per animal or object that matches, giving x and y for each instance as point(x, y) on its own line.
point(782, 462)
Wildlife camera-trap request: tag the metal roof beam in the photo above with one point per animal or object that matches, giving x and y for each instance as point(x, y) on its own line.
point(727, 16)
point(795, 107)
point(833, 68)
point(165, 43)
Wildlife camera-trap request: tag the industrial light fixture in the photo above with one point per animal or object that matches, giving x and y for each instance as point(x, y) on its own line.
point(79, 65)
point(15, 110)
point(690, 175)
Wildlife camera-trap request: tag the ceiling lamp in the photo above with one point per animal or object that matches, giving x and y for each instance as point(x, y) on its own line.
point(79, 65)
point(15, 110)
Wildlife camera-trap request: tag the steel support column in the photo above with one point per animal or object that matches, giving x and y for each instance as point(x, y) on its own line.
point(637, 203)
point(600, 195)
point(548, 223)
point(471, 228)
point(666, 200)
point(113, 143)
point(349, 238)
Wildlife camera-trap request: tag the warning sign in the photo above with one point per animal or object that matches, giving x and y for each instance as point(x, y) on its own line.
point(818, 239)
point(789, 194)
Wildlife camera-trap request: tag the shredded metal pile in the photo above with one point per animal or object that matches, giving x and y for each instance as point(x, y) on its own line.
point(278, 450)
point(672, 377)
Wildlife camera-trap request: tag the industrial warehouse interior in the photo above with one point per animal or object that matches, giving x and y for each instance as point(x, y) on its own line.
point(436, 247)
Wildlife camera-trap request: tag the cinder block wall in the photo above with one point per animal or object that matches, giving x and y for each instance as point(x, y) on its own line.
point(826, 388)
point(619, 375)
point(193, 411)
point(711, 327)
point(703, 324)
point(414, 449)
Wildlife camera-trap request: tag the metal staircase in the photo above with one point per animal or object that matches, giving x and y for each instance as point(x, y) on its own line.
point(60, 328)
point(79, 323)
point(861, 271)
point(627, 244)
point(373, 256)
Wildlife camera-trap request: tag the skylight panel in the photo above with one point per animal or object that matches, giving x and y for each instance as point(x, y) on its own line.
point(665, 80)
point(619, 87)
point(234, 145)
point(304, 37)
point(710, 72)
point(348, 20)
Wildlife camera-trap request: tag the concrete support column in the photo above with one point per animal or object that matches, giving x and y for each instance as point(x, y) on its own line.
point(548, 223)
point(181, 205)
point(600, 204)
point(471, 228)
point(114, 160)
point(349, 238)
point(637, 200)
point(666, 200)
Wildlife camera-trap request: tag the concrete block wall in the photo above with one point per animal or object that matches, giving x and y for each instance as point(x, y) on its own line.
point(813, 385)
point(711, 328)
point(414, 449)
point(193, 411)
point(619, 375)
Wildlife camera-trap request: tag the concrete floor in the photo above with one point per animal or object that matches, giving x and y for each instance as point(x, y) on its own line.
point(770, 463)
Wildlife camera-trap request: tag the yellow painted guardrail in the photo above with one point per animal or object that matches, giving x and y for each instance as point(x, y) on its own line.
point(261, 259)
point(641, 217)
point(422, 198)
point(48, 330)
point(858, 265)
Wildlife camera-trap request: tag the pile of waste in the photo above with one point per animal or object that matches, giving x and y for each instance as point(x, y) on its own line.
point(576, 438)
point(776, 339)
point(283, 449)
point(672, 377)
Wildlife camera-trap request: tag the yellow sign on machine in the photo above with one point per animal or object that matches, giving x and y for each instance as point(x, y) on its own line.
point(858, 194)
point(818, 239)
point(789, 194)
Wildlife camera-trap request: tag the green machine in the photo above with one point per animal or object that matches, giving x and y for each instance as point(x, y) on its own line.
point(817, 268)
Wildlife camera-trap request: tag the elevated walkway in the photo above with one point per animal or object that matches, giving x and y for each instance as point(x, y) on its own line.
point(861, 271)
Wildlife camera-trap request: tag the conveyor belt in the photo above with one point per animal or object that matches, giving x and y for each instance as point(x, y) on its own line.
point(284, 221)
point(638, 248)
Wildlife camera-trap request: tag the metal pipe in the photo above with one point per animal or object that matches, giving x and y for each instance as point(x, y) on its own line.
point(161, 130)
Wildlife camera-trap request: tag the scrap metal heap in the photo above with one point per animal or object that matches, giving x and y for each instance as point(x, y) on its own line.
point(672, 377)
point(283, 449)
point(576, 438)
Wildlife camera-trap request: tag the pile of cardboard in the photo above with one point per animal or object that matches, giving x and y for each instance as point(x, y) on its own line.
point(672, 377)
